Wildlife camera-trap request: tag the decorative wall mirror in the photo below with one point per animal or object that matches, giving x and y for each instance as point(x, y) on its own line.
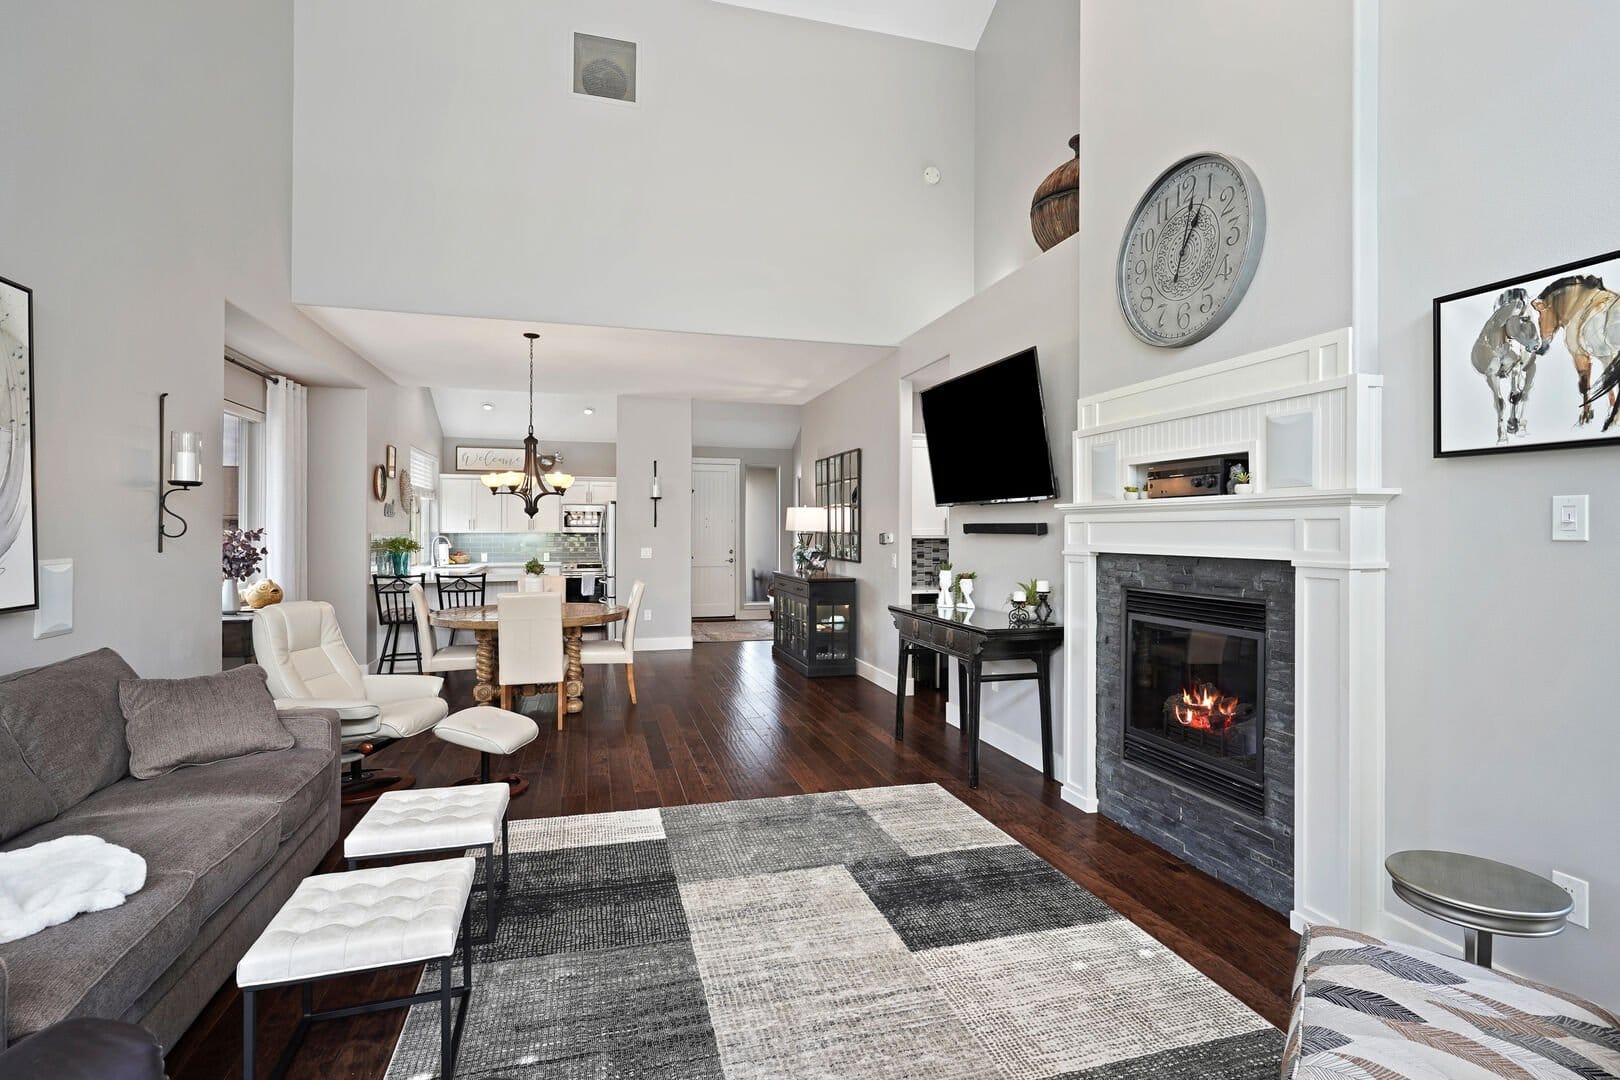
point(838, 488)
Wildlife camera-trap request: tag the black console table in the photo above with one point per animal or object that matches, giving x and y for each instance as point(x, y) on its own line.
point(972, 637)
point(815, 630)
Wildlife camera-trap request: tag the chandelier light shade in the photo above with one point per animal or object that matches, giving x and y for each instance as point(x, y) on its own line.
point(540, 476)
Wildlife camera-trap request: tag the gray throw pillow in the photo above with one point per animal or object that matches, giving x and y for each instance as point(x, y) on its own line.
point(175, 722)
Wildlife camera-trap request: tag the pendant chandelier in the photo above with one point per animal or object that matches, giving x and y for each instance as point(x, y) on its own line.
point(539, 477)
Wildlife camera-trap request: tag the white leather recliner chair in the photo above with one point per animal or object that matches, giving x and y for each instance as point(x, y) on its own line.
point(307, 663)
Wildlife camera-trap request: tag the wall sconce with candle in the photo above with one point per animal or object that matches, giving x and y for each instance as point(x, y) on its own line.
point(656, 494)
point(183, 460)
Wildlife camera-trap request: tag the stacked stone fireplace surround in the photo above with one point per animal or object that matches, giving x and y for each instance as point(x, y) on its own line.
point(1251, 852)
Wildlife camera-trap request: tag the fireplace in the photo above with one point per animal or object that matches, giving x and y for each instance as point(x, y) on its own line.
point(1195, 676)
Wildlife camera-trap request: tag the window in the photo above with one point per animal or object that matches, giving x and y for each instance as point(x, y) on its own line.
point(242, 455)
point(424, 476)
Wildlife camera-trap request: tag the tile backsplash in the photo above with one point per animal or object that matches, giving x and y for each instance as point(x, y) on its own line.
point(521, 547)
point(926, 555)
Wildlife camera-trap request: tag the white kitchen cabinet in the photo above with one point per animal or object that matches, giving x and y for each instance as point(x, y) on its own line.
point(489, 509)
point(578, 493)
point(591, 491)
point(456, 503)
point(547, 518)
point(926, 518)
point(604, 491)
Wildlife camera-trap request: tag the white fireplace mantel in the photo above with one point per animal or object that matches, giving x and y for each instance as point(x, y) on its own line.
point(1312, 427)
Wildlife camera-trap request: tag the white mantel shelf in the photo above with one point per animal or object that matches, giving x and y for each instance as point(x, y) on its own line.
point(1312, 427)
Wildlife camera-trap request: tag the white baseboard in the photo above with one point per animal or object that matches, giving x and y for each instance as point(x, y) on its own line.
point(1074, 797)
point(664, 644)
point(879, 677)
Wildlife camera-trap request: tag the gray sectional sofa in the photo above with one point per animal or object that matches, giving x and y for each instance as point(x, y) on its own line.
point(225, 844)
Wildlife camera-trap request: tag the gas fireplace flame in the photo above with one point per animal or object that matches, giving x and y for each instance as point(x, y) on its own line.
point(1205, 708)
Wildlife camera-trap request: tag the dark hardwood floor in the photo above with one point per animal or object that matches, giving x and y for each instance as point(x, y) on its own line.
point(725, 722)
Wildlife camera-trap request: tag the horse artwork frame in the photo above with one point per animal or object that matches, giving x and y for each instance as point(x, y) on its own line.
point(1530, 362)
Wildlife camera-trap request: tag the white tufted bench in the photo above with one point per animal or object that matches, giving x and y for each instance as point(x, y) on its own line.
point(433, 820)
point(363, 920)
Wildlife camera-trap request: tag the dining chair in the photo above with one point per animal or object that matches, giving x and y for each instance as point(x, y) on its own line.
point(622, 651)
point(530, 639)
point(435, 659)
point(392, 595)
point(461, 590)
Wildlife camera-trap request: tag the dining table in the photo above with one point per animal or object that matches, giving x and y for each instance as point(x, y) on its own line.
point(484, 621)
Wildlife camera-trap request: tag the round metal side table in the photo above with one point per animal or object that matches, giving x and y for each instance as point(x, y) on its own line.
point(1482, 896)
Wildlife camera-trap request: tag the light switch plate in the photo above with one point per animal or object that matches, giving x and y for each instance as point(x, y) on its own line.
point(1569, 517)
point(54, 616)
point(646, 553)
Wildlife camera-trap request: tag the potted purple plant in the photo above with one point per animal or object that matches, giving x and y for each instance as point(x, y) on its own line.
point(240, 557)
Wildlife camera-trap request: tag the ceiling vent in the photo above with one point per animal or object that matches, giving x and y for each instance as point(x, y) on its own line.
point(604, 67)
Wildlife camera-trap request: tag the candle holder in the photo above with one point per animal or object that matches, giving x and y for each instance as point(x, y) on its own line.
point(655, 493)
point(184, 464)
point(1018, 614)
point(1043, 607)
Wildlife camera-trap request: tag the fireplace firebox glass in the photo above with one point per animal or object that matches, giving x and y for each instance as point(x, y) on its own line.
point(1195, 692)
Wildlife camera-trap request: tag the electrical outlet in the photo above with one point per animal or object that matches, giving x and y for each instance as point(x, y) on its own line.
point(646, 553)
point(646, 615)
point(894, 562)
point(1581, 915)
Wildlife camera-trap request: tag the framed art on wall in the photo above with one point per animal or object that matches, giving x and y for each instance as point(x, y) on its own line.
point(488, 458)
point(1529, 363)
point(19, 539)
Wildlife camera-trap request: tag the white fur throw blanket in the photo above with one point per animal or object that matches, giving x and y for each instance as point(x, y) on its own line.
point(50, 883)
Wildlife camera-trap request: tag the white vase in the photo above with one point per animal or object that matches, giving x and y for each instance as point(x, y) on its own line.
point(1242, 489)
point(966, 585)
point(230, 599)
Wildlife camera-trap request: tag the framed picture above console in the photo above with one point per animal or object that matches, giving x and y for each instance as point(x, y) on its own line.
point(838, 488)
point(1531, 362)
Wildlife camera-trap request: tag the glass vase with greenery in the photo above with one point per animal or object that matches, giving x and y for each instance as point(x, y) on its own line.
point(400, 549)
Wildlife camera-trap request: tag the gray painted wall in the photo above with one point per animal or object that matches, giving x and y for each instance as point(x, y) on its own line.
point(1281, 102)
point(437, 143)
point(149, 156)
point(1501, 728)
point(1026, 94)
point(657, 429)
point(339, 496)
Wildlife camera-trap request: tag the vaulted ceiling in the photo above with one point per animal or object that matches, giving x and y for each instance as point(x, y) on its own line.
point(956, 23)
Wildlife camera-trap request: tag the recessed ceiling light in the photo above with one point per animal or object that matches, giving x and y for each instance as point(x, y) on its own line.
point(489, 406)
point(589, 411)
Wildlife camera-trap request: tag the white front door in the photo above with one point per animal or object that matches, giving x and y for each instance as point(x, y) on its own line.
point(714, 540)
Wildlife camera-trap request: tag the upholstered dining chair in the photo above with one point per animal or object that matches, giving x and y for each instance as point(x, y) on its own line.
point(435, 659)
point(622, 651)
point(307, 663)
point(530, 636)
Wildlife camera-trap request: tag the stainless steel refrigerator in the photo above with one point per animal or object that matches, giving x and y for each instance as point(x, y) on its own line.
point(608, 540)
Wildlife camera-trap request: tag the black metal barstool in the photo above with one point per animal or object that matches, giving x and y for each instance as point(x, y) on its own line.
point(395, 614)
point(460, 590)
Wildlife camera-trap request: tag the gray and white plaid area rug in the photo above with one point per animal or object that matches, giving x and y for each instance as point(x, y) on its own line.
point(888, 933)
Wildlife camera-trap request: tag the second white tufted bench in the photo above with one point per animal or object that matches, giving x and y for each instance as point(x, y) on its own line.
point(363, 920)
point(431, 820)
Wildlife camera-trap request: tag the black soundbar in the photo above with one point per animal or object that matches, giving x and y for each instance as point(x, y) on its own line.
point(1006, 528)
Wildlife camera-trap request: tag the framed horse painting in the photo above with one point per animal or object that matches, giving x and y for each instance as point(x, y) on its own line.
point(19, 567)
point(1530, 363)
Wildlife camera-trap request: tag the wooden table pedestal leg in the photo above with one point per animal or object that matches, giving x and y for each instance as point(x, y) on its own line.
point(485, 667)
point(574, 680)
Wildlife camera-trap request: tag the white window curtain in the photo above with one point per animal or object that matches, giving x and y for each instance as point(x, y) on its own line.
point(286, 494)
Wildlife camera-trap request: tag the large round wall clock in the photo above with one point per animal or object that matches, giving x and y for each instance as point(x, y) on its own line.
point(1190, 250)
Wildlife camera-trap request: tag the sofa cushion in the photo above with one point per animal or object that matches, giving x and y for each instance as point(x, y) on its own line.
point(295, 783)
point(27, 802)
point(175, 722)
point(67, 723)
point(1365, 1007)
point(98, 963)
point(220, 842)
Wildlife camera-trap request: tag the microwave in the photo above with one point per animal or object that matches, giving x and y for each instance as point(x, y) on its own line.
point(581, 517)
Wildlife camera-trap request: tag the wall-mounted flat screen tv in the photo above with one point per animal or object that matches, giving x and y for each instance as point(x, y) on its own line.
point(987, 435)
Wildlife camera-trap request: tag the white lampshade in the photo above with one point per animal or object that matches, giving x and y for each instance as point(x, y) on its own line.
point(806, 519)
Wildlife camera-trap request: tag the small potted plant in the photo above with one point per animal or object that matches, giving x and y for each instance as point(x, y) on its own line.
point(964, 587)
point(1240, 482)
point(400, 549)
point(240, 556)
point(534, 568)
point(1132, 492)
point(945, 579)
point(533, 579)
point(1024, 592)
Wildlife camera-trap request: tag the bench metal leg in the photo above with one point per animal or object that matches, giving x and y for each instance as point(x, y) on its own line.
point(247, 1035)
